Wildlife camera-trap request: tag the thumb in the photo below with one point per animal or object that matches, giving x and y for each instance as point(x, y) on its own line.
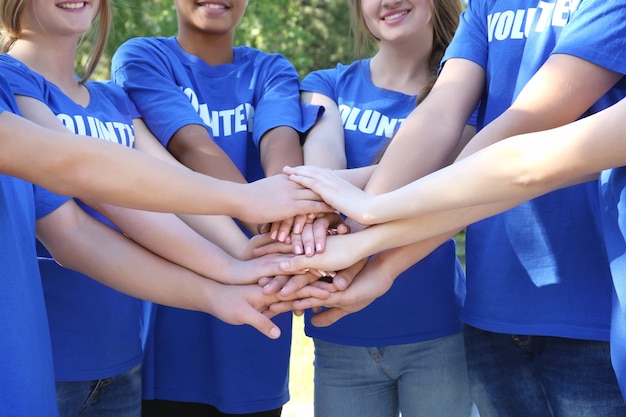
point(328, 317)
point(296, 264)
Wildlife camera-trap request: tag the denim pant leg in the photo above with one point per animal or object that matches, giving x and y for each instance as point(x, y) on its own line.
point(578, 377)
point(503, 380)
point(515, 376)
point(431, 377)
point(119, 396)
point(426, 379)
point(349, 383)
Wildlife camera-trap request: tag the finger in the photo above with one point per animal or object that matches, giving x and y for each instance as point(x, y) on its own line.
point(328, 317)
point(275, 247)
point(320, 231)
point(264, 281)
point(310, 291)
point(308, 240)
point(262, 323)
point(296, 283)
point(284, 230)
point(308, 303)
point(275, 284)
point(344, 278)
point(274, 229)
point(281, 307)
point(260, 240)
point(298, 223)
point(264, 228)
point(296, 244)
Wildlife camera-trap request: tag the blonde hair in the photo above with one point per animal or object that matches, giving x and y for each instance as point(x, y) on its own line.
point(10, 31)
point(445, 19)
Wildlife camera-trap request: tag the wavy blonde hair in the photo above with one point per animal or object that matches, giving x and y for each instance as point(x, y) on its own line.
point(10, 31)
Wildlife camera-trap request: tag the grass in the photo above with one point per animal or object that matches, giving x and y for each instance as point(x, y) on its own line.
point(300, 373)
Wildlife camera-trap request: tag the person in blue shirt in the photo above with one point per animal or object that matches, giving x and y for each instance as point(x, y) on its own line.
point(528, 166)
point(70, 164)
point(232, 112)
point(95, 330)
point(404, 353)
point(537, 309)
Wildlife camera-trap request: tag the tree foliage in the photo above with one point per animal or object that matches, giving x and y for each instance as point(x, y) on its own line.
point(312, 34)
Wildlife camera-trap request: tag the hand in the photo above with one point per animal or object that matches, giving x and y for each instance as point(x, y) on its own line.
point(342, 251)
point(288, 286)
point(258, 242)
point(255, 270)
point(244, 304)
point(368, 285)
point(313, 237)
point(276, 198)
point(334, 190)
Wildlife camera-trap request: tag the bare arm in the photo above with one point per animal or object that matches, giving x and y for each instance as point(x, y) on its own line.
point(169, 237)
point(193, 147)
point(324, 145)
point(79, 242)
point(279, 147)
point(72, 165)
point(429, 136)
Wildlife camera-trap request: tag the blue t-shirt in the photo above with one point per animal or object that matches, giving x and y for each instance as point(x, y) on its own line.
point(237, 103)
point(94, 328)
point(613, 202)
point(26, 370)
point(191, 356)
point(425, 301)
point(541, 267)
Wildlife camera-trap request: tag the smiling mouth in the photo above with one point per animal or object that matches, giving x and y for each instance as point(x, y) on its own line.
point(71, 5)
point(396, 15)
point(212, 5)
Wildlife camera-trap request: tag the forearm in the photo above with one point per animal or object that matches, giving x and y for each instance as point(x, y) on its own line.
point(394, 262)
point(528, 165)
point(357, 176)
point(120, 263)
point(280, 147)
point(222, 231)
point(169, 237)
point(407, 231)
point(559, 93)
point(429, 136)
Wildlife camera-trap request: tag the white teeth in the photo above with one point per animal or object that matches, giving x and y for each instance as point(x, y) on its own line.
point(395, 16)
point(71, 5)
point(214, 6)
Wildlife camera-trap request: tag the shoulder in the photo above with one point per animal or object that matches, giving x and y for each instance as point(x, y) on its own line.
point(18, 75)
point(262, 59)
point(143, 48)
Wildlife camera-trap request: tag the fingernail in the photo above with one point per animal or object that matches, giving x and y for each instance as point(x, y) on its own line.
point(318, 247)
point(308, 250)
point(275, 333)
point(281, 237)
point(298, 250)
point(341, 283)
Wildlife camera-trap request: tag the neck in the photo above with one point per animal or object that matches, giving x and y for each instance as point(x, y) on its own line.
point(54, 59)
point(212, 49)
point(404, 69)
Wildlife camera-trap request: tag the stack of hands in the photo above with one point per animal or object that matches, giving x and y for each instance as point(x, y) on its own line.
point(321, 262)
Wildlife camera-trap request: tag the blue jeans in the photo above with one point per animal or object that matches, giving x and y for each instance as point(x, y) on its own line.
point(426, 379)
point(119, 396)
point(515, 375)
